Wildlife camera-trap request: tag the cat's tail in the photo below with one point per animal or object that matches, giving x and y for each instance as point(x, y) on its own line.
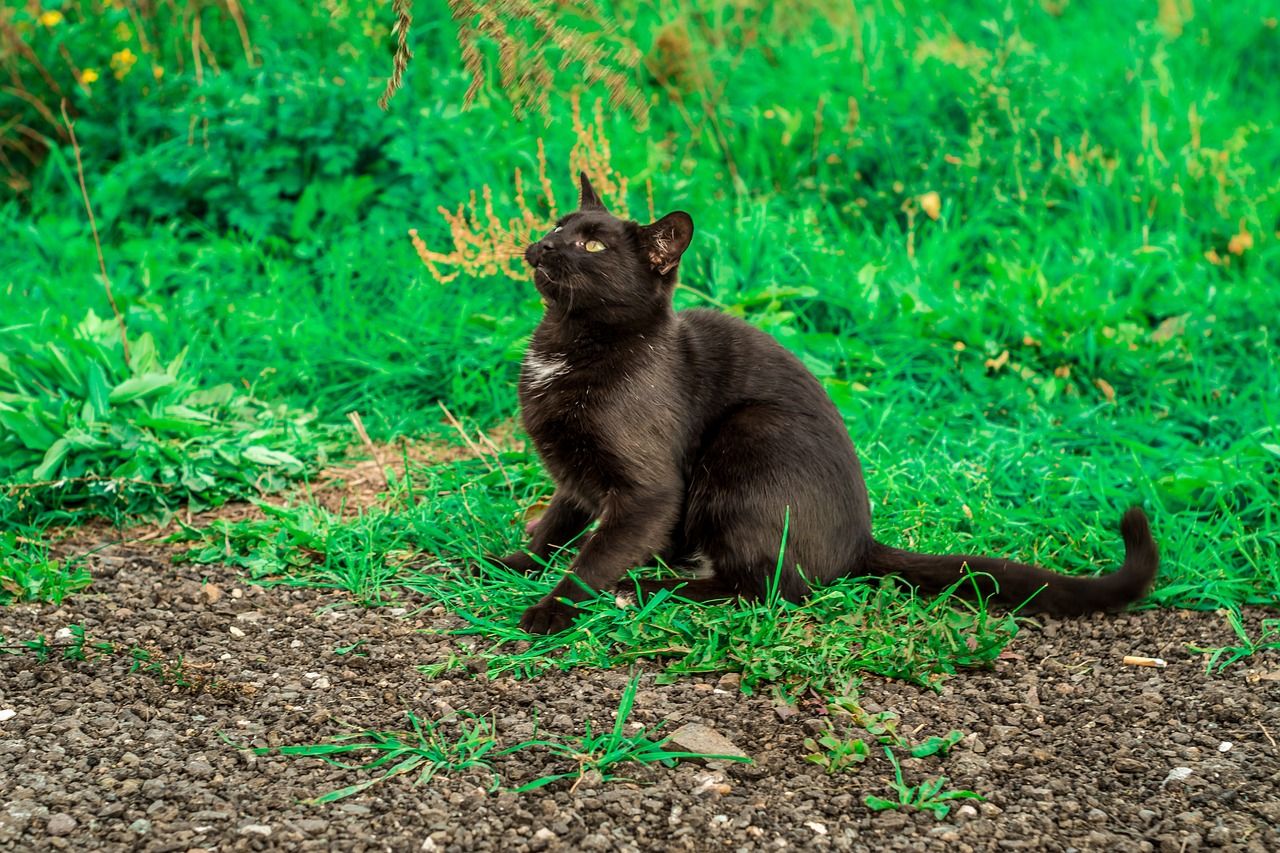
point(1013, 583)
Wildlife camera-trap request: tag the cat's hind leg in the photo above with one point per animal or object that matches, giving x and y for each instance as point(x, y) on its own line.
point(776, 500)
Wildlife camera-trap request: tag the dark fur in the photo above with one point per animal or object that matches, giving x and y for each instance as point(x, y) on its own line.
point(692, 436)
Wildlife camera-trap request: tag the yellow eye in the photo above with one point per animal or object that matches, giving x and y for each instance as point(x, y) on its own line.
point(594, 246)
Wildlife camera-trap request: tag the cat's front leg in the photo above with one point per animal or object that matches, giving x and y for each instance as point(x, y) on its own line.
point(563, 520)
point(633, 527)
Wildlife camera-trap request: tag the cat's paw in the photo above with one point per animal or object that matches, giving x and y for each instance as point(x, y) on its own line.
point(548, 616)
point(518, 562)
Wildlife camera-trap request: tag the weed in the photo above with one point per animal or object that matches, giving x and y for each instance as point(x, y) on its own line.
point(598, 755)
point(929, 796)
point(427, 750)
point(424, 749)
point(834, 753)
point(1221, 657)
point(29, 573)
point(843, 631)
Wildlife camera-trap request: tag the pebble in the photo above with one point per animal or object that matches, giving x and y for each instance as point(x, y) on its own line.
point(61, 824)
point(7, 714)
point(730, 681)
point(199, 768)
point(695, 737)
point(141, 826)
point(259, 829)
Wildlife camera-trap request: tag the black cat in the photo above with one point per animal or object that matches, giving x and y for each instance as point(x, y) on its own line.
point(694, 437)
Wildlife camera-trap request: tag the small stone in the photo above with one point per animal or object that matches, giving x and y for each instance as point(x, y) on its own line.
point(237, 593)
point(322, 683)
point(211, 592)
point(1177, 774)
point(730, 681)
point(966, 811)
point(61, 824)
point(236, 632)
point(7, 714)
point(199, 768)
point(785, 712)
point(141, 826)
point(311, 826)
point(542, 839)
point(1129, 765)
point(711, 785)
point(818, 828)
point(695, 737)
point(1225, 746)
point(261, 830)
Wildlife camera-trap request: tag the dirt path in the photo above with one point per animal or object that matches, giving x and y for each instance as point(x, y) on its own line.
point(1073, 749)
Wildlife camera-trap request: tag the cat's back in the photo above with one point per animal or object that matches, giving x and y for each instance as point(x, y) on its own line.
point(728, 354)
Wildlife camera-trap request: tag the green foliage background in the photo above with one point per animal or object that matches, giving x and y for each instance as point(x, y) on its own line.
point(1088, 322)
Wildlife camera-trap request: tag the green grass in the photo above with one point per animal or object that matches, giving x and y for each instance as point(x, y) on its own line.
point(1085, 165)
point(417, 551)
point(1221, 657)
point(427, 749)
point(928, 796)
point(424, 749)
point(1029, 249)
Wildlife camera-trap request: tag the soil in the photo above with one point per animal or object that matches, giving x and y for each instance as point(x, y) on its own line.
point(1073, 749)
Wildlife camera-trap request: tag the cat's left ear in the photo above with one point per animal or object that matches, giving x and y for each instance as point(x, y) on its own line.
point(665, 240)
point(587, 198)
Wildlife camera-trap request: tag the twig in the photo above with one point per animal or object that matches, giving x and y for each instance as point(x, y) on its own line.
point(356, 422)
point(497, 457)
point(10, 488)
point(93, 225)
point(471, 444)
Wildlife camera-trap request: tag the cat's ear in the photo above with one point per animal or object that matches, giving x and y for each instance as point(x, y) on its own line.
point(587, 199)
point(665, 240)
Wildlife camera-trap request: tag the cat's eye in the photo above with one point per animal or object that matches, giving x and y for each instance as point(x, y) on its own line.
point(594, 246)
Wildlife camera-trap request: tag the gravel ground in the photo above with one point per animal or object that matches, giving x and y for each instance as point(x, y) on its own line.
point(1073, 749)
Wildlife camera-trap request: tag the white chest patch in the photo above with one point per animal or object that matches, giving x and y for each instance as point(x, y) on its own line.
point(544, 368)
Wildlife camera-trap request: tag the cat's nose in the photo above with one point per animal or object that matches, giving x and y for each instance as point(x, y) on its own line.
point(538, 252)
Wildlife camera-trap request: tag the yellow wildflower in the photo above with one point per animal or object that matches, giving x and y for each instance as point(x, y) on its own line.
point(122, 62)
point(51, 18)
point(157, 71)
point(88, 76)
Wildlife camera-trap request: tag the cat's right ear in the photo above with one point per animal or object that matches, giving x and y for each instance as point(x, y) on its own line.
point(587, 198)
point(665, 240)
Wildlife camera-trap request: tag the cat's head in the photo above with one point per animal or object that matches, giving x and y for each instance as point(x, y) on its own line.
point(594, 264)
